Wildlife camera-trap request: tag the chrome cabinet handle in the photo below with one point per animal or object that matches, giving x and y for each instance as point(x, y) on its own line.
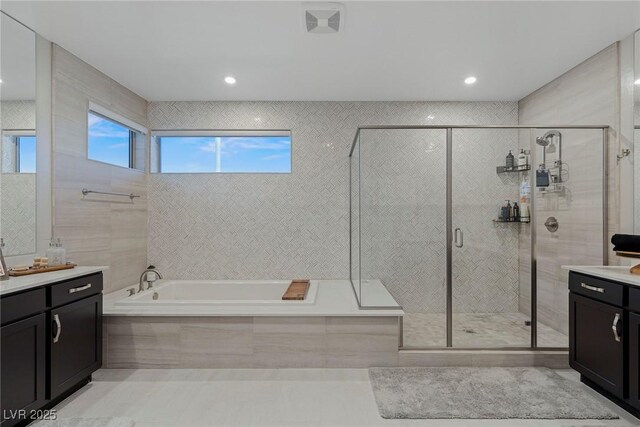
point(80, 288)
point(614, 327)
point(56, 319)
point(592, 288)
point(459, 243)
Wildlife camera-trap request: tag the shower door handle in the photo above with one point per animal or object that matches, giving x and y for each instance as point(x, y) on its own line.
point(459, 242)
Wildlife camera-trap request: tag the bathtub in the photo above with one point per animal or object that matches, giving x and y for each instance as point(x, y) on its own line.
point(211, 293)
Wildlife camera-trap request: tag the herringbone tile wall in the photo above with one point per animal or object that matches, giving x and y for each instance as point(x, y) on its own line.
point(261, 226)
point(17, 191)
point(403, 218)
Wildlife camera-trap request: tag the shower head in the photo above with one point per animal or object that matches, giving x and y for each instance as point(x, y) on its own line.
point(541, 140)
point(546, 139)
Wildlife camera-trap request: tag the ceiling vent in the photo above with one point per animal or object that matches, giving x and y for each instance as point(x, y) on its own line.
point(323, 18)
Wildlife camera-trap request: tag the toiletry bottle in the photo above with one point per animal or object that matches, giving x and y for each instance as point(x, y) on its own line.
point(504, 213)
point(62, 252)
point(52, 253)
point(525, 192)
point(522, 159)
point(509, 160)
point(56, 253)
point(516, 212)
point(509, 211)
point(524, 213)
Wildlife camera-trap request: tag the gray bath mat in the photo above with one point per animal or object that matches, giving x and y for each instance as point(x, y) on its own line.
point(485, 393)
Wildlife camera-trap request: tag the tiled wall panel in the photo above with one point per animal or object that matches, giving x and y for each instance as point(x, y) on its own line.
point(96, 230)
point(17, 191)
point(585, 95)
point(260, 226)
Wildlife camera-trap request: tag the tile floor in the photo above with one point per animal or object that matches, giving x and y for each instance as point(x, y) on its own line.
point(259, 397)
point(473, 330)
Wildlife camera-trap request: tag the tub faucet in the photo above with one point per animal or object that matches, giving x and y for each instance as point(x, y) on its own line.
point(143, 278)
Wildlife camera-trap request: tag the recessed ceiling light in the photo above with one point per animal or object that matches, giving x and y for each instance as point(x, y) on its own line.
point(0, 80)
point(470, 80)
point(230, 80)
point(636, 82)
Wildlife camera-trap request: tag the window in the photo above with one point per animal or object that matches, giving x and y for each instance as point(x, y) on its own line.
point(222, 152)
point(115, 140)
point(26, 148)
point(19, 152)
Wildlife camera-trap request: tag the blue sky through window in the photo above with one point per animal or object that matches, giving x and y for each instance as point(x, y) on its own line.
point(108, 141)
point(185, 154)
point(27, 154)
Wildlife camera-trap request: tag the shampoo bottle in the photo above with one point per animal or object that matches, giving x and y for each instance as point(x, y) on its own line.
point(510, 160)
point(522, 159)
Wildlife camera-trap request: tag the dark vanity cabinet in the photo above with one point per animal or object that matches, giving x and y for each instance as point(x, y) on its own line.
point(51, 344)
point(604, 332)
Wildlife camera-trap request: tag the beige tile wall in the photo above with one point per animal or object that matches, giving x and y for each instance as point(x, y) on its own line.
point(96, 230)
point(586, 95)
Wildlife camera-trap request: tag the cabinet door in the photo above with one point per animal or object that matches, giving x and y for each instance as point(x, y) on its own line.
point(634, 359)
point(76, 343)
point(23, 368)
point(596, 342)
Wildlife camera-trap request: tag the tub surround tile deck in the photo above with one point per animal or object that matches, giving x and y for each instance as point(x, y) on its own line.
point(250, 342)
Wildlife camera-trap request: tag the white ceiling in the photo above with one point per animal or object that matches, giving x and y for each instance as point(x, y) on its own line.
point(165, 50)
point(17, 61)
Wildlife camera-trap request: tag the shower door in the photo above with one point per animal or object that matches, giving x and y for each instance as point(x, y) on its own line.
point(488, 307)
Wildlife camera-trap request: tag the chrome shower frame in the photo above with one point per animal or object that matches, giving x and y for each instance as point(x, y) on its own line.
point(449, 222)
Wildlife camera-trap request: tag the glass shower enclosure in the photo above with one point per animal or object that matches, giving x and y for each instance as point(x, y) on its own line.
point(433, 218)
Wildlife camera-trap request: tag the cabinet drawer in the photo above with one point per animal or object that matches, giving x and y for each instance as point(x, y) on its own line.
point(76, 289)
point(22, 305)
point(601, 290)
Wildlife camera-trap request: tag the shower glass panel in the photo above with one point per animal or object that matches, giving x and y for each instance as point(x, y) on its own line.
point(402, 227)
point(427, 229)
point(354, 217)
point(486, 251)
point(574, 201)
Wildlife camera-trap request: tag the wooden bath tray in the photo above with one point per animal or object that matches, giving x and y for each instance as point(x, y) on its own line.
point(626, 254)
point(297, 290)
point(32, 270)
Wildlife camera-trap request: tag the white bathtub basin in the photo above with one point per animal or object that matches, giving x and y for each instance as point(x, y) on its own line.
point(173, 293)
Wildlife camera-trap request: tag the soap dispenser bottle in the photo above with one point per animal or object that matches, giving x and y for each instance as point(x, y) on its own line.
point(510, 160)
point(56, 253)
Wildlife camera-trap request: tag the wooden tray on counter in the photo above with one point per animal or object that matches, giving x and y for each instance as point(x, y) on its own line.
point(32, 270)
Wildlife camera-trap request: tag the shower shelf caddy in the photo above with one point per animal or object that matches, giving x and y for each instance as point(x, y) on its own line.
point(510, 222)
point(504, 169)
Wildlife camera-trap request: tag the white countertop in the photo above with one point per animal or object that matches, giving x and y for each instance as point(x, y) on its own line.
point(611, 272)
point(334, 298)
point(21, 283)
